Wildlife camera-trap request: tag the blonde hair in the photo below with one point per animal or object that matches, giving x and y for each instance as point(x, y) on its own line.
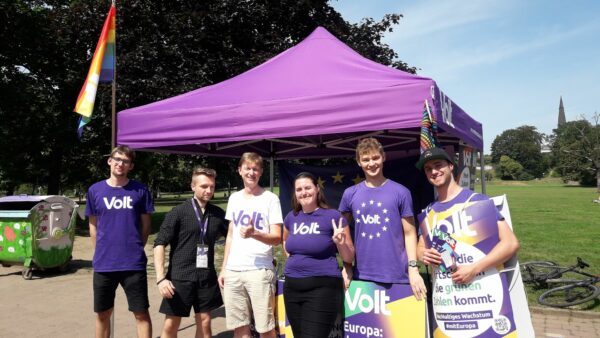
point(368, 145)
point(252, 158)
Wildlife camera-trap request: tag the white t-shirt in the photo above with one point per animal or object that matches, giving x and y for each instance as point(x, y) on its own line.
point(264, 210)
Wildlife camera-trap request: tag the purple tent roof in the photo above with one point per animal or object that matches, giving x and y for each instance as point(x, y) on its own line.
point(313, 100)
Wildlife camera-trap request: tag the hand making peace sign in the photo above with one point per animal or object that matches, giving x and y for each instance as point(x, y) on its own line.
point(339, 237)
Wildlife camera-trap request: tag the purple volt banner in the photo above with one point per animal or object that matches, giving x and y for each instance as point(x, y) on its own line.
point(383, 310)
point(372, 310)
point(467, 159)
point(464, 234)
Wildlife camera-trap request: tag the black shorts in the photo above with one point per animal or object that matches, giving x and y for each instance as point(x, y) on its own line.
point(204, 295)
point(135, 284)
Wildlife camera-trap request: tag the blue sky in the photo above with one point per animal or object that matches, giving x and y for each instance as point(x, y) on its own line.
point(506, 63)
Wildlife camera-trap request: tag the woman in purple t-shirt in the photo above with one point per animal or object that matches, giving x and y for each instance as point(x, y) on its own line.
point(312, 235)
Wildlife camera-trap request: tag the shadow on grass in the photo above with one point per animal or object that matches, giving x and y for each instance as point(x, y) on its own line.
point(591, 305)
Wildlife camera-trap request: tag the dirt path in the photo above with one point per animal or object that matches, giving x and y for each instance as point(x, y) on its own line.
point(56, 304)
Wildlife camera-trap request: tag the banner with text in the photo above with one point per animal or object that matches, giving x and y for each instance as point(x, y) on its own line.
point(371, 310)
point(464, 234)
point(467, 159)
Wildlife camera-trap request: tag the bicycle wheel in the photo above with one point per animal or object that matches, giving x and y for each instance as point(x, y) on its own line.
point(569, 295)
point(539, 271)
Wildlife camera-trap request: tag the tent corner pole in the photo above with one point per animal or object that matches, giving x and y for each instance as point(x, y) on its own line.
point(482, 172)
point(272, 170)
point(271, 174)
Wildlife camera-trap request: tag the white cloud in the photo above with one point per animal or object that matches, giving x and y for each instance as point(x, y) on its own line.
point(429, 17)
point(492, 53)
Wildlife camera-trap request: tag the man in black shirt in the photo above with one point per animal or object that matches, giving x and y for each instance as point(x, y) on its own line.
point(191, 229)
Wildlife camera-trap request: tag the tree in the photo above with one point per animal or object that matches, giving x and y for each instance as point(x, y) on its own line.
point(47, 44)
point(524, 145)
point(509, 168)
point(576, 151)
point(164, 48)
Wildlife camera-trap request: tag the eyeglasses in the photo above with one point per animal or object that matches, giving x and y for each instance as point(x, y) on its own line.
point(120, 160)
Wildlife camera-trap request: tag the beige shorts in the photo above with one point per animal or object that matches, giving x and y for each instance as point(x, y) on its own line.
point(250, 294)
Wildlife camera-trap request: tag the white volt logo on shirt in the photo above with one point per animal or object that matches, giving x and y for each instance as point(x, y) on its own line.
point(303, 229)
point(375, 217)
point(122, 203)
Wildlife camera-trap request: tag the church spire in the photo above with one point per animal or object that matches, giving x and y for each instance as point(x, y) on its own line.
point(561, 113)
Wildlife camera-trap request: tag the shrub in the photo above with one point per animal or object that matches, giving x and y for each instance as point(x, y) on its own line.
point(525, 176)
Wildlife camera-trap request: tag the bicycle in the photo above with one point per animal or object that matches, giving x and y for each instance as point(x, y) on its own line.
point(572, 292)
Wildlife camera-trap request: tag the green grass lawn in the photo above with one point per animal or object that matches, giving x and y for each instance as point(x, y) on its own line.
point(555, 222)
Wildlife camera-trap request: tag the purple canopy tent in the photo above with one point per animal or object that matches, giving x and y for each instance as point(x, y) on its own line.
point(315, 99)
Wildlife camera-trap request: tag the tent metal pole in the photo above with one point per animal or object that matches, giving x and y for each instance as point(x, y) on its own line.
point(271, 170)
point(271, 174)
point(482, 172)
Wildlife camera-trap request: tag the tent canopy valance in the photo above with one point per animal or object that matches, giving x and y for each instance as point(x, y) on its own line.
point(315, 99)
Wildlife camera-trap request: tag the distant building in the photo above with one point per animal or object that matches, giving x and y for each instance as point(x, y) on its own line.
point(561, 114)
point(545, 148)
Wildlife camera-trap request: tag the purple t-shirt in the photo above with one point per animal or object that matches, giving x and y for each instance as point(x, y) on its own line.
point(378, 232)
point(312, 251)
point(119, 245)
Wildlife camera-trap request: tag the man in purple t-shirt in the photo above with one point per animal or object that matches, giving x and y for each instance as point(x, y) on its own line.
point(437, 165)
point(385, 236)
point(119, 218)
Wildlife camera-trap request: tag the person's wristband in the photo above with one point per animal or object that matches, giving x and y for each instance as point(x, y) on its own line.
point(161, 280)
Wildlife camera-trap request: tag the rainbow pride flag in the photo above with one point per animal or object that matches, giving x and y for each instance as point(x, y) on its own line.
point(429, 129)
point(102, 70)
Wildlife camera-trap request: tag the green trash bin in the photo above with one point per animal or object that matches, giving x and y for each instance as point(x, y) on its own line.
point(37, 232)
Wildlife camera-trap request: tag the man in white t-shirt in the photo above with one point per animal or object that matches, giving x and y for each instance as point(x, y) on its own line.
point(255, 220)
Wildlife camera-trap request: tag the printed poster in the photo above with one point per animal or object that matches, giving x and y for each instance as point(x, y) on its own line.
point(483, 307)
point(371, 310)
point(518, 298)
point(467, 159)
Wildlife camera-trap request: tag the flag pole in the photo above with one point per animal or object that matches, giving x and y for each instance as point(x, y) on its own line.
point(113, 139)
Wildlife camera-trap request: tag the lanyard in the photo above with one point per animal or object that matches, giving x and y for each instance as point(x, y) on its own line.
point(202, 227)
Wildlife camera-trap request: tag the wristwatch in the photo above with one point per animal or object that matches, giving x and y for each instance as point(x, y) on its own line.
point(413, 264)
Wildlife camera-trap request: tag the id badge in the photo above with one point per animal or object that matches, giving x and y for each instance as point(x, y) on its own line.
point(202, 256)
